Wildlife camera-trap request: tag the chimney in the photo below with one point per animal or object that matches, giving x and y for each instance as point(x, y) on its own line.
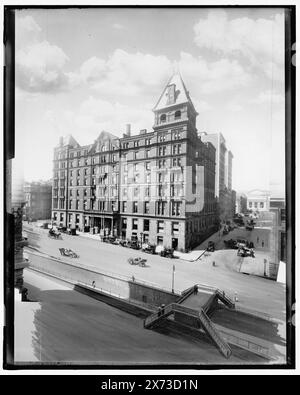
point(128, 129)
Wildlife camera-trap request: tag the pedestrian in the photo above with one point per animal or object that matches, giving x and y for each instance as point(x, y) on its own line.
point(214, 263)
point(257, 239)
point(93, 284)
point(162, 309)
point(262, 244)
point(159, 311)
point(133, 278)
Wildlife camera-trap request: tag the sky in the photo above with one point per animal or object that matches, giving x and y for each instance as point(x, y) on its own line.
point(83, 71)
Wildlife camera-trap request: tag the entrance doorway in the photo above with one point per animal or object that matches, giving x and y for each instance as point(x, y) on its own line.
point(174, 243)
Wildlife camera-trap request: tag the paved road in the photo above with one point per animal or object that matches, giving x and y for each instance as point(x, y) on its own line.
point(72, 327)
point(253, 292)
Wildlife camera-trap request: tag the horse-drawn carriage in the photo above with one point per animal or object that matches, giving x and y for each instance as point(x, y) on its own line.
point(54, 234)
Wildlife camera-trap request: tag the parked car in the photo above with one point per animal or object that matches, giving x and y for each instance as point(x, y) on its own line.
point(231, 244)
point(244, 252)
point(242, 243)
point(210, 246)
point(167, 253)
point(149, 248)
point(134, 244)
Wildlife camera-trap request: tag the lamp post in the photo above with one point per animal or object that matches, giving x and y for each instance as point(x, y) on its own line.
point(173, 275)
point(141, 234)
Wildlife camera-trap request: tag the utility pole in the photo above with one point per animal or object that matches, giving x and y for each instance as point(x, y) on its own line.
point(173, 275)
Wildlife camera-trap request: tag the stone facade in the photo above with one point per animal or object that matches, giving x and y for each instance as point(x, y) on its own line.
point(38, 199)
point(156, 186)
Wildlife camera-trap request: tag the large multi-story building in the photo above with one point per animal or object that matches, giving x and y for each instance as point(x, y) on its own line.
point(223, 179)
point(38, 198)
point(157, 186)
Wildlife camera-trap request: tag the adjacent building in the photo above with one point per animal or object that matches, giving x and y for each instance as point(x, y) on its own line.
point(277, 206)
point(38, 200)
point(157, 186)
point(258, 200)
point(223, 180)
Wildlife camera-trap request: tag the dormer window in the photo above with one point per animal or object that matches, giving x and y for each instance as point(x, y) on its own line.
point(163, 118)
point(177, 114)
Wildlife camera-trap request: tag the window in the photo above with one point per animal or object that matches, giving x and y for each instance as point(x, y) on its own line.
point(147, 141)
point(135, 207)
point(148, 178)
point(255, 204)
point(160, 190)
point(147, 153)
point(250, 204)
point(136, 191)
point(147, 192)
point(61, 217)
point(146, 225)
point(160, 226)
point(146, 208)
point(161, 208)
point(261, 205)
point(70, 204)
point(86, 162)
point(162, 151)
point(160, 177)
point(176, 208)
point(175, 228)
point(177, 114)
point(77, 218)
point(85, 205)
point(176, 135)
point(147, 165)
point(161, 163)
point(125, 192)
point(85, 172)
point(124, 223)
point(163, 118)
point(134, 224)
point(77, 204)
point(71, 173)
point(114, 158)
point(124, 207)
point(78, 173)
point(136, 143)
point(85, 192)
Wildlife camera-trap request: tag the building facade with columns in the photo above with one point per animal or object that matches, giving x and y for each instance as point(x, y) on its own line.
point(157, 186)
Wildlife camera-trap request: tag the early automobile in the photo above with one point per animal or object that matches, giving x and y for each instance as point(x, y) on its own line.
point(137, 261)
point(167, 253)
point(149, 248)
point(54, 234)
point(68, 252)
point(210, 246)
point(231, 244)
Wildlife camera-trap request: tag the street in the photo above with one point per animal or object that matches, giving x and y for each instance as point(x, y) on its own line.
point(253, 292)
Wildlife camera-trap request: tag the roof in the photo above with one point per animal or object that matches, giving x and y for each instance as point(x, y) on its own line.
point(181, 95)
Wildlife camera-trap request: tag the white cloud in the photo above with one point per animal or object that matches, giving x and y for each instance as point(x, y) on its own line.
point(95, 115)
point(211, 77)
point(234, 107)
point(269, 97)
point(259, 41)
point(26, 30)
point(118, 26)
point(39, 67)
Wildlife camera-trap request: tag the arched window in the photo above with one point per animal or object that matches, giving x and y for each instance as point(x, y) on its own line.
point(163, 118)
point(177, 114)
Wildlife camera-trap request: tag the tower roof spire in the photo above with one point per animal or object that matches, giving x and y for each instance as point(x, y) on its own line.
point(175, 92)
